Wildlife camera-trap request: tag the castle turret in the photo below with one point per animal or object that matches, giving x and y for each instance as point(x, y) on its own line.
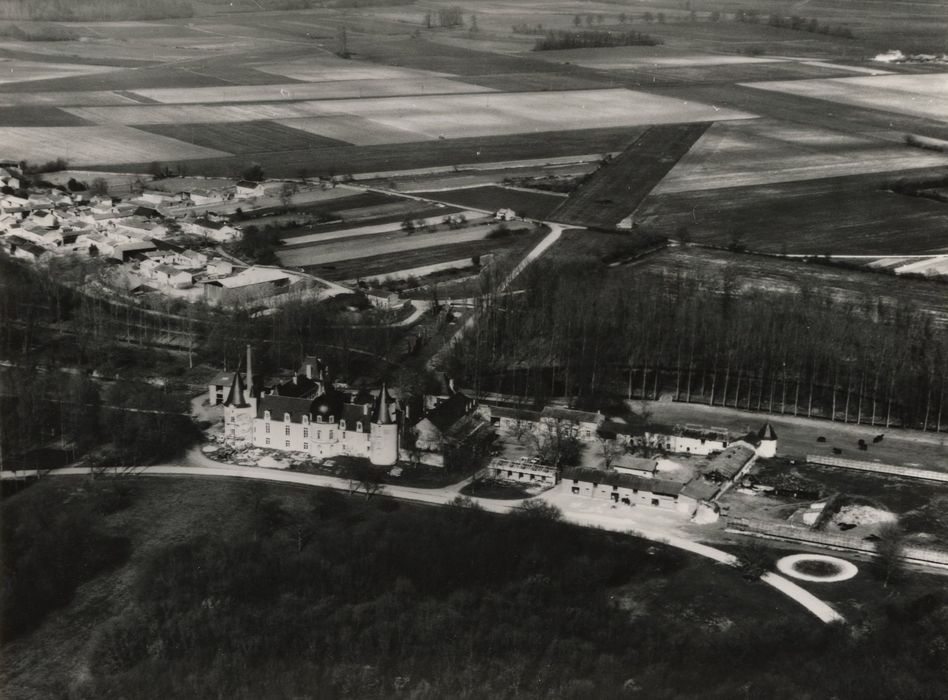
point(768, 442)
point(383, 438)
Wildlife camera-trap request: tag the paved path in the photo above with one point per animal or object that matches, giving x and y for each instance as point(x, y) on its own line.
point(552, 237)
point(443, 496)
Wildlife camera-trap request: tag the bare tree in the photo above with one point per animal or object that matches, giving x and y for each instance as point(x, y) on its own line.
point(890, 546)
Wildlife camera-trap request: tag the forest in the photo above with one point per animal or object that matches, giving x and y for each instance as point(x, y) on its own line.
point(644, 335)
point(330, 596)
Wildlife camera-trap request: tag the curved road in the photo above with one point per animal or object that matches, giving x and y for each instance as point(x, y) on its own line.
point(444, 496)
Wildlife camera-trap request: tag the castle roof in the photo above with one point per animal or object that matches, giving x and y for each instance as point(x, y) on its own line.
point(767, 432)
point(236, 396)
point(383, 411)
point(449, 412)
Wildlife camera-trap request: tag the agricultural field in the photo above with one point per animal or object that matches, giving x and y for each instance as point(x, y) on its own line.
point(14, 71)
point(915, 95)
point(88, 145)
point(408, 209)
point(527, 204)
point(31, 116)
point(329, 89)
point(618, 187)
point(392, 243)
point(746, 274)
point(853, 215)
point(374, 265)
point(241, 137)
point(767, 151)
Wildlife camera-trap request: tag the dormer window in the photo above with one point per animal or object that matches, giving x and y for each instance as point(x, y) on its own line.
point(286, 417)
point(332, 419)
point(266, 415)
point(319, 419)
point(305, 420)
point(359, 426)
point(342, 425)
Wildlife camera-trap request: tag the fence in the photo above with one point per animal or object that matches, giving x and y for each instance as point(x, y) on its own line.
point(878, 468)
point(785, 531)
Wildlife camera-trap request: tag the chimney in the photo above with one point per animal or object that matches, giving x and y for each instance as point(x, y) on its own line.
point(249, 370)
point(365, 409)
point(451, 389)
point(309, 369)
point(295, 379)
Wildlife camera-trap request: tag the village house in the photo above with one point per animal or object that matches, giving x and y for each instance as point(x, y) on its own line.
point(247, 188)
point(218, 230)
point(21, 248)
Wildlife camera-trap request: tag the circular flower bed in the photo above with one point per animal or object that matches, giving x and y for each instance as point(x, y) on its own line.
point(817, 567)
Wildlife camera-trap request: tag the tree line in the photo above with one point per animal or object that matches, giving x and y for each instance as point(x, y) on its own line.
point(556, 40)
point(643, 335)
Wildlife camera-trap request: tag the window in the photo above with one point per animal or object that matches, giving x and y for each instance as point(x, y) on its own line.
point(267, 441)
point(305, 432)
point(305, 445)
point(287, 443)
point(305, 420)
point(319, 419)
point(266, 415)
point(575, 481)
point(359, 426)
point(319, 434)
point(286, 417)
point(331, 434)
point(233, 419)
point(332, 419)
point(286, 430)
point(342, 425)
point(266, 428)
point(654, 501)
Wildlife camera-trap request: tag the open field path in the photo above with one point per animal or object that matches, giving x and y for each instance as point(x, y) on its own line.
point(443, 496)
point(552, 237)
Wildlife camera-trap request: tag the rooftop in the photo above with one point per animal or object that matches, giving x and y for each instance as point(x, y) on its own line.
point(251, 276)
point(557, 413)
point(611, 478)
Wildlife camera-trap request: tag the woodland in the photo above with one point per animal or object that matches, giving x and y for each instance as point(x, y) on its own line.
point(643, 335)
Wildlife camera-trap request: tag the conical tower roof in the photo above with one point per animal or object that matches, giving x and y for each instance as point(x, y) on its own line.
point(382, 409)
point(236, 396)
point(767, 432)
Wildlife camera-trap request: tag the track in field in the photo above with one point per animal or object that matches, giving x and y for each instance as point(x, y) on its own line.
point(617, 188)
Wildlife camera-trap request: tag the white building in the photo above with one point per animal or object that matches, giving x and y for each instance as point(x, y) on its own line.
point(523, 471)
point(310, 416)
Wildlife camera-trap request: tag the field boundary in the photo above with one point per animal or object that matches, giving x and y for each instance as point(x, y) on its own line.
point(878, 468)
point(932, 556)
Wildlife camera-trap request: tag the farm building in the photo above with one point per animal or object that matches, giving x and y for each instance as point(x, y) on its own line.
point(252, 283)
point(21, 248)
point(514, 420)
point(688, 439)
point(635, 466)
point(442, 422)
point(523, 470)
point(629, 490)
point(581, 424)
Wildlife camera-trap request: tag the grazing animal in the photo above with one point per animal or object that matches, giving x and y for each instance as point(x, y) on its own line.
point(862, 442)
point(821, 439)
point(837, 451)
point(878, 438)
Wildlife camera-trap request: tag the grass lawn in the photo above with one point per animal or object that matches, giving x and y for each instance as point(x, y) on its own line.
point(498, 490)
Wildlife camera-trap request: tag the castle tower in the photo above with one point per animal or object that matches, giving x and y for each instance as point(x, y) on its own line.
point(768, 442)
point(383, 437)
point(239, 411)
